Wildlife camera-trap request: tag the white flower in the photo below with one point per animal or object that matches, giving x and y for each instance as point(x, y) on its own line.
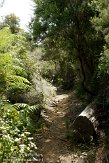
point(22, 147)
point(35, 147)
point(32, 144)
point(22, 135)
point(30, 138)
point(17, 139)
point(28, 148)
point(27, 133)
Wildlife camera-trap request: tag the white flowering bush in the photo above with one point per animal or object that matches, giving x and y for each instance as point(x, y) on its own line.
point(16, 143)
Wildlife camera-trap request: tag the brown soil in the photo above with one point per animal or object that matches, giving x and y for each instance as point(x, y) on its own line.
point(52, 142)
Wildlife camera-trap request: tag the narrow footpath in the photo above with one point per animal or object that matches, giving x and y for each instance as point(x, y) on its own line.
point(52, 143)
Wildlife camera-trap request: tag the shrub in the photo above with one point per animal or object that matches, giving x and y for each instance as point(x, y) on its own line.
point(16, 142)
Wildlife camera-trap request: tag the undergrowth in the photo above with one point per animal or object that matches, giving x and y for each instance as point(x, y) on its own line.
point(16, 133)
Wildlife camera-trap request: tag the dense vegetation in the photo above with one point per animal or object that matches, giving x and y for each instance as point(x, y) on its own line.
point(69, 36)
point(68, 46)
point(73, 34)
point(16, 125)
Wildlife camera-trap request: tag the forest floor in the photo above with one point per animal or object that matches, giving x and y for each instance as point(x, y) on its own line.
point(52, 142)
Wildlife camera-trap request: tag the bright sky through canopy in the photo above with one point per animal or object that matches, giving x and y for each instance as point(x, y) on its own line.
point(21, 8)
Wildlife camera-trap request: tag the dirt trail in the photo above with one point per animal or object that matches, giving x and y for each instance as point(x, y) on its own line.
point(52, 142)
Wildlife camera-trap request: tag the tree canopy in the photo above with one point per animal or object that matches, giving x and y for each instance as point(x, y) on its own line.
point(11, 21)
point(67, 26)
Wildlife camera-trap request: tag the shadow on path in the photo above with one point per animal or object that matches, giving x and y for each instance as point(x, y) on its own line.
point(52, 143)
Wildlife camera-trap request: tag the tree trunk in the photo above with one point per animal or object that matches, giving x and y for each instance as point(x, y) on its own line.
point(85, 125)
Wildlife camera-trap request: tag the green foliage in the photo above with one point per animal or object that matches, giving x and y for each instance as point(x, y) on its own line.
point(17, 83)
point(5, 70)
point(66, 27)
point(11, 21)
point(16, 142)
point(101, 19)
point(101, 23)
point(29, 115)
point(13, 76)
point(6, 40)
point(21, 45)
point(16, 125)
point(103, 66)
